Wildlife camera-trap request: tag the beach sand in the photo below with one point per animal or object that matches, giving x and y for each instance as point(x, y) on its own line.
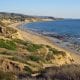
point(40, 39)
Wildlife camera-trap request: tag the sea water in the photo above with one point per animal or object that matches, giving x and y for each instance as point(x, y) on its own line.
point(68, 29)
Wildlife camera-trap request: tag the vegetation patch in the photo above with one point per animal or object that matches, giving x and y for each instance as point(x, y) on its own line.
point(55, 51)
point(29, 45)
point(33, 47)
point(35, 58)
point(8, 44)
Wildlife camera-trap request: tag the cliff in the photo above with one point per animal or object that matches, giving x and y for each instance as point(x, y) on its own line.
point(24, 55)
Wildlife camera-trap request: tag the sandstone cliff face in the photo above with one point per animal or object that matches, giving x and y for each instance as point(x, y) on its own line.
point(9, 32)
point(10, 66)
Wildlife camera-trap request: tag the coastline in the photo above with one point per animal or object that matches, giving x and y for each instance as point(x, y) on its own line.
point(41, 39)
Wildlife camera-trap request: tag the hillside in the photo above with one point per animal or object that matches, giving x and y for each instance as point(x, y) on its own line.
point(14, 17)
point(22, 58)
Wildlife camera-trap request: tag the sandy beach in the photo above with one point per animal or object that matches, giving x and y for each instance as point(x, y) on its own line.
point(40, 39)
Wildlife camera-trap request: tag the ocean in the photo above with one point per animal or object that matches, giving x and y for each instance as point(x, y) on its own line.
point(65, 29)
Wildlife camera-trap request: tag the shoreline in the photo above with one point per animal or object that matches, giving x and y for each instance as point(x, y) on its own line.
point(52, 40)
point(41, 39)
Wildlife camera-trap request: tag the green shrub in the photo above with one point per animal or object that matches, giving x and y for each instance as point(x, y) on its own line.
point(7, 44)
point(19, 41)
point(29, 45)
point(33, 47)
point(34, 58)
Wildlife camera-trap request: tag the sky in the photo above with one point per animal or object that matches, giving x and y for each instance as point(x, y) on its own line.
point(55, 8)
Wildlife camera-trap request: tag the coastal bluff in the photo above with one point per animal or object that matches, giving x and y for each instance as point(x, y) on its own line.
point(24, 55)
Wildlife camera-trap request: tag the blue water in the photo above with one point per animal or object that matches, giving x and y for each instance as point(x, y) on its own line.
point(70, 28)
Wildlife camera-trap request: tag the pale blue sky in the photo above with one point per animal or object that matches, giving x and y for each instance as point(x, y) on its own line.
point(56, 8)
